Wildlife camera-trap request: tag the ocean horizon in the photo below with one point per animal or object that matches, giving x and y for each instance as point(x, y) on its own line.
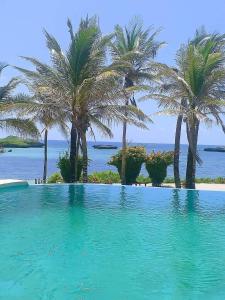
point(28, 163)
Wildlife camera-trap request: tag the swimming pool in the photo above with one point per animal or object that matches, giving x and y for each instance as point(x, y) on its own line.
point(100, 242)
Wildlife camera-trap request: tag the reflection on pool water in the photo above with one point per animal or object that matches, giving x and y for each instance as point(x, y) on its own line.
point(68, 242)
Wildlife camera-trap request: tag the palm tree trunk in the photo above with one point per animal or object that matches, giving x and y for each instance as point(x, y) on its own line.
point(128, 83)
point(45, 155)
point(85, 156)
point(73, 152)
point(176, 160)
point(190, 172)
point(77, 157)
point(192, 154)
point(124, 149)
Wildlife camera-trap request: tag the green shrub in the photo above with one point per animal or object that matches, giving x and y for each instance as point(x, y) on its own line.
point(217, 180)
point(108, 177)
point(145, 180)
point(156, 166)
point(141, 179)
point(55, 178)
point(64, 166)
point(169, 180)
point(135, 156)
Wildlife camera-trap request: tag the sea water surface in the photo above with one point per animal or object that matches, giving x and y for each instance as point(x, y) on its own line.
point(28, 163)
point(99, 242)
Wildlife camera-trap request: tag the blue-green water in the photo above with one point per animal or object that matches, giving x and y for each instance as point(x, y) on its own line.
point(71, 242)
point(28, 163)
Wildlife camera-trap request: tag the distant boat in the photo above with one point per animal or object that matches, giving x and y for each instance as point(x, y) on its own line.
point(104, 147)
point(215, 149)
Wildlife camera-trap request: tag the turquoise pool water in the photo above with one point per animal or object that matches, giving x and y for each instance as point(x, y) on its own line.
point(96, 242)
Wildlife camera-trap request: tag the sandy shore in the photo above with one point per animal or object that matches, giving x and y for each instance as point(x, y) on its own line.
point(200, 186)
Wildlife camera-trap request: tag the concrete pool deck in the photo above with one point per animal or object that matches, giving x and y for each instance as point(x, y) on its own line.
point(12, 182)
point(200, 186)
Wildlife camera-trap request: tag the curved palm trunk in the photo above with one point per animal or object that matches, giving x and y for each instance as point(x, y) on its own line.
point(192, 133)
point(45, 155)
point(85, 156)
point(176, 161)
point(73, 152)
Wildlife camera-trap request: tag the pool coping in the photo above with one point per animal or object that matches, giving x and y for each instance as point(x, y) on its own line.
point(13, 182)
point(167, 186)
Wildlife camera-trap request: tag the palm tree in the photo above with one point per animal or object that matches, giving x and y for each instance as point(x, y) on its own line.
point(48, 117)
point(195, 90)
point(8, 101)
point(43, 111)
point(132, 50)
point(79, 84)
point(200, 36)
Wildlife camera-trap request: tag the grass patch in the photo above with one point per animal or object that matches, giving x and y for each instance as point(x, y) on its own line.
point(109, 177)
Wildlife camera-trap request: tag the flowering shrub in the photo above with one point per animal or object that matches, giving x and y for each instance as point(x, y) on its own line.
point(135, 156)
point(156, 165)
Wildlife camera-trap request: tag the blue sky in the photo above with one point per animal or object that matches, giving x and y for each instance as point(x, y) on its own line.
point(22, 23)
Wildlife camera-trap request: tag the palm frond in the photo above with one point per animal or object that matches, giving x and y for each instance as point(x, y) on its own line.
point(23, 127)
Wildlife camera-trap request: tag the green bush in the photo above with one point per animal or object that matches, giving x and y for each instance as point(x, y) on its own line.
point(217, 180)
point(156, 166)
point(135, 156)
point(55, 178)
point(145, 180)
point(64, 166)
point(108, 177)
point(141, 179)
point(169, 180)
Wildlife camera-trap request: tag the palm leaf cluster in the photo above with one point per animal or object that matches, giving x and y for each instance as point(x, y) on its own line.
point(133, 49)
point(8, 100)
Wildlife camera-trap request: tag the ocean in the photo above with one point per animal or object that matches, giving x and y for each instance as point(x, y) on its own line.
point(28, 163)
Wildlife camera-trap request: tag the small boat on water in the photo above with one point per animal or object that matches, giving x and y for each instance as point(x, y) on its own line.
point(215, 149)
point(104, 147)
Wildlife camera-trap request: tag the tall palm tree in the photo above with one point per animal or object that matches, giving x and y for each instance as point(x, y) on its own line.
point(200, 36)
point(47, 114)
point(8, 101)
point(195, 90)
point(79, 84)
point(132, 50)
point(48, 117)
